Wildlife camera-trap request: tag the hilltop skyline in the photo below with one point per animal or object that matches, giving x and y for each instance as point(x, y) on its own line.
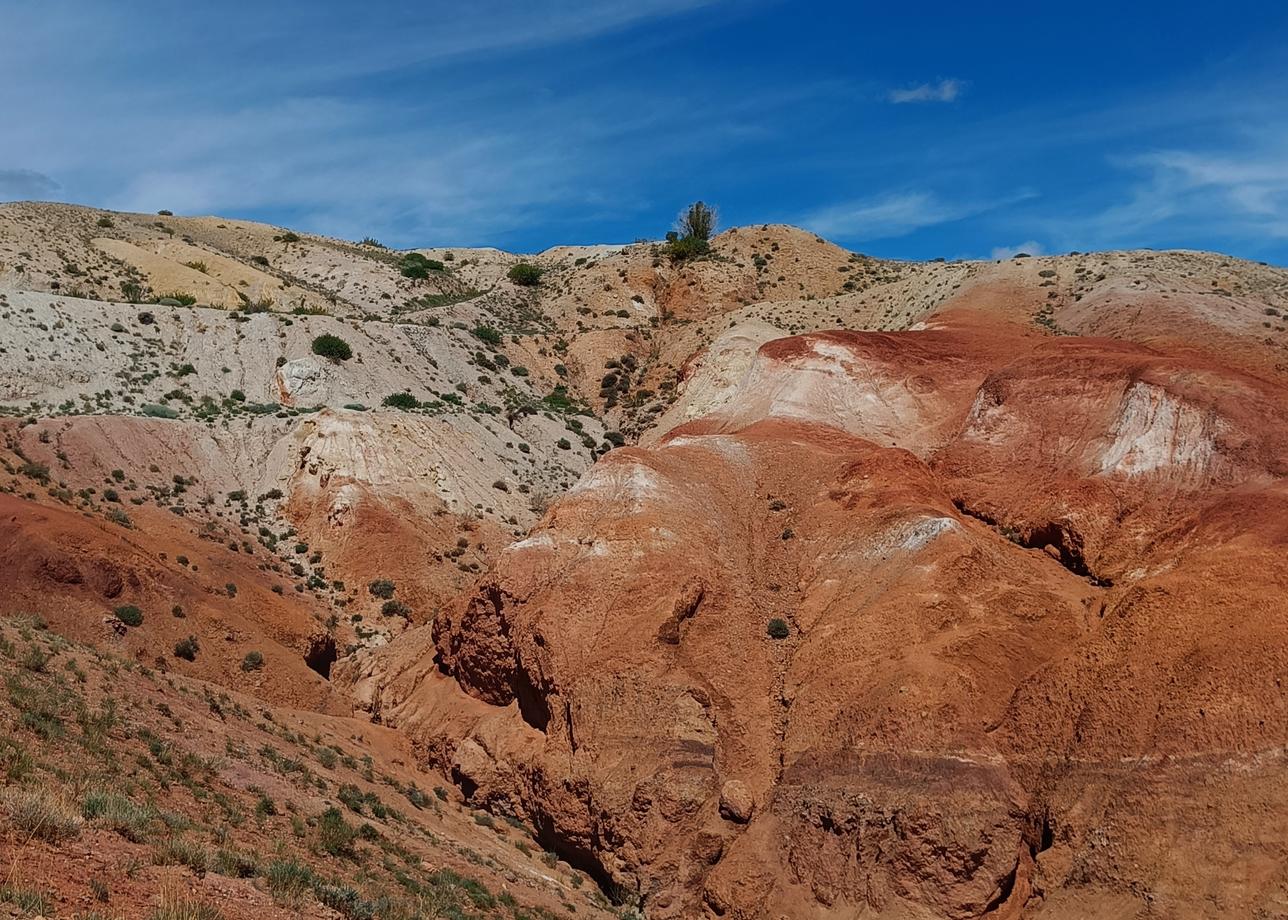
point(906, 136)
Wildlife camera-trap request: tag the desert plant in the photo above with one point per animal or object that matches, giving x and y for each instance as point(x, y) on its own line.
point(333, 347)
point(253, 661)
point(778, 629)
point(487, 334)
point(393, 608)
point(118, 813)
point(382, 588)
point(525, 274)
point(187, 648)
point(401, 401)
point(129, 614)
point(697, 222)
point(416, 266)
point(40, 814)
point(335, 835)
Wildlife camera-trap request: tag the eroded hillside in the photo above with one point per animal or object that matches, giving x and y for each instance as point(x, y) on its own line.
point(783, 581)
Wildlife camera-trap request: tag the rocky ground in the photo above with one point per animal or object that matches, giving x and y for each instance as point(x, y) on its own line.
point(781, 582)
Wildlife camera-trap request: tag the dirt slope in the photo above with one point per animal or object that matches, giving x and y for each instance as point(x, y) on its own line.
point(942, 589)
point(1014, 573)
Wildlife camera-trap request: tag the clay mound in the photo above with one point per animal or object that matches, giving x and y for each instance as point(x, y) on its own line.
point(945, 623)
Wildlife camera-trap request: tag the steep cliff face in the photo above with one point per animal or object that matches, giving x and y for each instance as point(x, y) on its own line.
point(955, 622)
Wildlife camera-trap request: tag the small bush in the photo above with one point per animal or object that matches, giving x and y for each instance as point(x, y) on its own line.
point(118, 813)
point(403, 401)
point(525, 274)
point(778, 629)
point(175, 299)
point(40, 814)
point(382, 588)
point(253, 661)
point(416, 266)
point(333, 347)
point(288, 880)
point(684, 248)
point(335, 835)
point(129, 615)
point(487, 334)
point(155, 410)
point(187, 648)
point(179, 851)
point(395, 609)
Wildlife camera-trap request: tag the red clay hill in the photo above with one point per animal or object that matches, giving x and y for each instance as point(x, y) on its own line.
point(958, 622)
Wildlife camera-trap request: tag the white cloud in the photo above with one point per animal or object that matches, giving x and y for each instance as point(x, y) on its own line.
point(1032, 247)
point(896, 214)
point(1182, 194)
point(943, 91)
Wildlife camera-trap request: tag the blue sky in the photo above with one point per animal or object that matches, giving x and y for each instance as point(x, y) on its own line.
point(902, 130)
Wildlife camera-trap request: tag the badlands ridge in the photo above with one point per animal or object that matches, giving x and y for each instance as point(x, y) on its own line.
point(786, 582)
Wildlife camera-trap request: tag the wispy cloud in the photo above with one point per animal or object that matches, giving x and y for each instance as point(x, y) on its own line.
point(1178, 195)
point(897, 214)
point(1030, 247)
point(26, 184)
point(943, 91)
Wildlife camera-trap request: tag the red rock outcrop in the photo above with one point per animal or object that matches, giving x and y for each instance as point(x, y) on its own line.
point(1034, 605)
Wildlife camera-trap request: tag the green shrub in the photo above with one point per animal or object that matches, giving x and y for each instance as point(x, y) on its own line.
point(401, 401)
point(154, 410)
point(416, 266)
point(778, 629)
point(395, 609)
point(106, 222)
point(288, 880)
point(129, 615)
point(253, 661)
point(697, 221)
point(525, 274)
point(487, 334)
point(118, 813)
point(382, 587)
point(287, 237)
point(187, 648)
point(179, 851)
point(176, 299)
point(683, 248)
point(333, 347)
point(335, 835)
